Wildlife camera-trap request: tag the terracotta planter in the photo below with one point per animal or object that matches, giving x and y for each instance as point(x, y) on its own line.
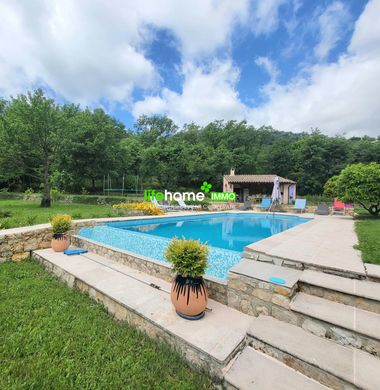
point(189, 297)
point(60, 242)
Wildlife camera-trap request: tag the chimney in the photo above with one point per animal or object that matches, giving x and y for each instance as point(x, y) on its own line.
point(232, 172)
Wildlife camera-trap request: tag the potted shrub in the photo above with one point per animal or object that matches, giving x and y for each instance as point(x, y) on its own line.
point(188, 292)
point(60, 224)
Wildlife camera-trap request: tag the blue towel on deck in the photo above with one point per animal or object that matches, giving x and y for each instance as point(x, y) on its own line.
point(70, 252)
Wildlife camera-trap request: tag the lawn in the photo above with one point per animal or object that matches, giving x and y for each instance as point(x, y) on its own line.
point(28, 212)
point(368, 231)
point(52, 337)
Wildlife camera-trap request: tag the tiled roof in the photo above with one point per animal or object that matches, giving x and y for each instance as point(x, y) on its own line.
point(255, 179)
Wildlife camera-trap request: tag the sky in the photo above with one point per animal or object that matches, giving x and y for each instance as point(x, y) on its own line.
point(291, 64)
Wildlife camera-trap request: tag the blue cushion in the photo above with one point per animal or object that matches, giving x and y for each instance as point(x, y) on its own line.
point(277, 280)
point(71, 252)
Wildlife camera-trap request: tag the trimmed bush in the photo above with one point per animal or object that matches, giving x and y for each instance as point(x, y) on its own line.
point(188, 257)
point(61, 223)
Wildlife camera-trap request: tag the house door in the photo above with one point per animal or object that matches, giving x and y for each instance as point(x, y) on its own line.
point(245, 194)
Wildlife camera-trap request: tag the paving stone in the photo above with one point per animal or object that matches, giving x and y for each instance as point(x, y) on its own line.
point(373, 270)
point(262, 271)
point(317, 356)
point(246, 373)
point(360, 288)
point(344, 316)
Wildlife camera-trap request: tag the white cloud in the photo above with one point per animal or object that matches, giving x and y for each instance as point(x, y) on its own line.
point(332, 24)
point(268, 66)
point(207, 94)
point(93, 49)
point(265, 16)
point(200, 25)
point(336, 97)
point(366, 39)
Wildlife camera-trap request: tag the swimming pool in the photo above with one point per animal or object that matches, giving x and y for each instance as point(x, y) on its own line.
point(226, 234)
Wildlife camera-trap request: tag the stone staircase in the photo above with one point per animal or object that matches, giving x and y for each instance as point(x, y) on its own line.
point(144, 301)
point(331, 335)
point(319, 330)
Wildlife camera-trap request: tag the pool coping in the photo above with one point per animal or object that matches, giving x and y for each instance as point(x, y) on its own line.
point(146, 258)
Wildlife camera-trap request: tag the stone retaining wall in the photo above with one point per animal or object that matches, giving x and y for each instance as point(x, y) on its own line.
point(255, 297)
point(17, 244)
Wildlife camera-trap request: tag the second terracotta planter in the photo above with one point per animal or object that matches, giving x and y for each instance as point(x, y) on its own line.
point(60, 242)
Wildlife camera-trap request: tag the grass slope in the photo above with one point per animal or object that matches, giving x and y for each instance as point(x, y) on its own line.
point(52, 337)
point(368, 231)
point(26, 212)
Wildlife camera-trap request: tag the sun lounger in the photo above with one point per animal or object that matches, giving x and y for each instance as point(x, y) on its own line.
point(265, 204)
point(163, 206)
point(184, 206)
point(300, 205)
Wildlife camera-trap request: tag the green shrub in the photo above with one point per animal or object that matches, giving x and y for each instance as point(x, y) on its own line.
point(315, 199)
point(29, 191)
point(12, 195)
point(188, 257)
point(56, 195)
point(61, 223)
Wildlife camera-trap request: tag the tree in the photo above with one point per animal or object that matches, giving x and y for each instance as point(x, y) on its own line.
point(360, 183)
point(152, 128)
point(31, 137)
point(330, 188)
point(311, 165)
point(92, 147)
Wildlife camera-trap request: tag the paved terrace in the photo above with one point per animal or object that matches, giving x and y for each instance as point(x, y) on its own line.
point(326, 242)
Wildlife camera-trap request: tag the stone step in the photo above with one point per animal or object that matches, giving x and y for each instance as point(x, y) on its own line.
point(345, 324)
point(143, 300)
point(363, 294)
point(329, 363)
point(373, 272)
point(247, 371)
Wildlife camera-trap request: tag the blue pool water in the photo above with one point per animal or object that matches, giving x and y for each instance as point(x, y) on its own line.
point(226, 234)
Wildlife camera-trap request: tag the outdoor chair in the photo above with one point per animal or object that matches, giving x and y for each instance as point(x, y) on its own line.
point(322, 209)
point(300, 205)
point(265, 204)
point(340, 207)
